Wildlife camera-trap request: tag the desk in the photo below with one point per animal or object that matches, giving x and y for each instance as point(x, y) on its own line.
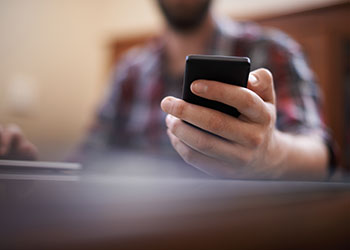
point(115, 212)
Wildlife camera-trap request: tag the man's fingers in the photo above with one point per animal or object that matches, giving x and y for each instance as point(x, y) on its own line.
point(202, 162)
point(261, 82)
point(14, 146)
point(9, 136)
point(208, 144)
point(211, 120)
point(245, 100)
point(26, 151)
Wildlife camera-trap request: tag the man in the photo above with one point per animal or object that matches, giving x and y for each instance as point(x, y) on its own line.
point(279, 132)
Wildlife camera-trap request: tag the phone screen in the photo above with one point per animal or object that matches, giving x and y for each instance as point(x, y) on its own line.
point(226, 69)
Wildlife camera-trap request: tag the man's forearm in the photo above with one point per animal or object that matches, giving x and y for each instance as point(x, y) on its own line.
point(303, 156)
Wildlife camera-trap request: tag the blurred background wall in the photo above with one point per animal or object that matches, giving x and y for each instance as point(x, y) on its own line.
point(55, 55)
point(53, 63)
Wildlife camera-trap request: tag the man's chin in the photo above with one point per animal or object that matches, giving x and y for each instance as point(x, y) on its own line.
point(182, 20)
point(186, 28)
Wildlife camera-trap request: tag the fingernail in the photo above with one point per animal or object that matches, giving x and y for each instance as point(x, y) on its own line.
point(166, 104)
point(199, 87)
point(252, 79)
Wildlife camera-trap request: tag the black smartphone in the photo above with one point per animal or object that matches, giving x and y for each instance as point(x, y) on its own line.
point(226, 69)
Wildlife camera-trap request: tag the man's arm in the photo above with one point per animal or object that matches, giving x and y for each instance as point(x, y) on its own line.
point(243, 147)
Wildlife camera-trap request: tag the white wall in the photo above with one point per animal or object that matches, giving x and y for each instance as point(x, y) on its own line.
point(53, 58)
point(52, 54)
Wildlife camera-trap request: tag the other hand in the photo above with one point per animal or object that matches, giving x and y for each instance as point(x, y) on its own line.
point(14, 145)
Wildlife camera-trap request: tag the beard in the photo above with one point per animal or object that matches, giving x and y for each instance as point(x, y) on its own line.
point(184, 16)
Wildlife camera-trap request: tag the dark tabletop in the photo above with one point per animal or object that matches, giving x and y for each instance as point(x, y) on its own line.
point(112, 210)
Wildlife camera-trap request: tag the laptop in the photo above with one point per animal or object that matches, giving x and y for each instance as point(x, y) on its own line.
point(39, 170)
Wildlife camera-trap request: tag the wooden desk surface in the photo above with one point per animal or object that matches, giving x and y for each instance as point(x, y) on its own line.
point(111, 212)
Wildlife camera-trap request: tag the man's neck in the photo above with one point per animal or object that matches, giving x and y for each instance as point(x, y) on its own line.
point(179, 45)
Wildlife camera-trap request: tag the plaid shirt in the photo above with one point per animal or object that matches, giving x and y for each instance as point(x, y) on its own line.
point(130, 116)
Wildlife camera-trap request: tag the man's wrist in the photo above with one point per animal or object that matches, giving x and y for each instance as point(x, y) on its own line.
point(279, 151)
point(296, 155)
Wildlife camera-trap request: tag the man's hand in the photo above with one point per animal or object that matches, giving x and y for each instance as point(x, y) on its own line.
point(13, 144)
point(246, 146)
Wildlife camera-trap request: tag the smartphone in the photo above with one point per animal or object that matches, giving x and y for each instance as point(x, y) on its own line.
point(227, 69)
